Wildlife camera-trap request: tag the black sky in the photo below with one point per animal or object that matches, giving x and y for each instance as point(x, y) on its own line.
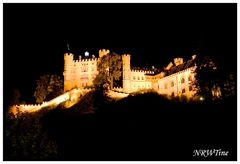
point(36, 35)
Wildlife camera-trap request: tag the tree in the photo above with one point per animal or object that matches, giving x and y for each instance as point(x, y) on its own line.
point(48, 87)
point(229, 86)
point(16, 97)
point(27, 139)
point(207, 77)
point(109, 69)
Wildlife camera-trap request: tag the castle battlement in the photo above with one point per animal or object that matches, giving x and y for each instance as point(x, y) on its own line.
point(103, 52)
point(68, 54)
point(142, 71)
point(89, 59)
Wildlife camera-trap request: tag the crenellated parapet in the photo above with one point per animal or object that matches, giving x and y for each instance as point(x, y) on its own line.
point(118, 89)
point(142, 71)
point(85, 60)
point(103, 52)
point(70, 98)
point(178, 61)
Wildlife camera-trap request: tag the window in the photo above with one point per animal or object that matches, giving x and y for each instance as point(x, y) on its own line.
point(134, 78)
point(84, 69)
point(190, 88)
point(182, 80)
point(190, 78)
point(172, 84)
point(138, 78)
point(183, 91)
point(142, 78)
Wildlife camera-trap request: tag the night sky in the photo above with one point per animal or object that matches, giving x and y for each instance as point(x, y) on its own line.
point(36, 36)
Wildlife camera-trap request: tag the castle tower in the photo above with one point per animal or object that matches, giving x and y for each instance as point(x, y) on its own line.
point(68, 64)
point(103, 52)
point(126, 73)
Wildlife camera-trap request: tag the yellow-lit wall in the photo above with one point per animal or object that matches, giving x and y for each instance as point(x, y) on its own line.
point(81, 73)
point(138, 81)
point(177, 84)
point(78, 73)
point(126, 73)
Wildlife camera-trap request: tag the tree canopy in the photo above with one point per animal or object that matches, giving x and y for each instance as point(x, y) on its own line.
point(109, 69)
point(48, 87)
point(207, 77)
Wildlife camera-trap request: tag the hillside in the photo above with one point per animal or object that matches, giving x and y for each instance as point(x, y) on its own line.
point(139, 127)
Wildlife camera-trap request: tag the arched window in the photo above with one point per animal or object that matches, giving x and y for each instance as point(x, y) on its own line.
point(138, 78)
point(190, 88)
point(134, 78)
point(172, 84)
point(182, 80)
point(189, 78)
point(183, 91)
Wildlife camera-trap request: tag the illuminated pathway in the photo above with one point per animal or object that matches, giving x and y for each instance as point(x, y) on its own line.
point(68, 99)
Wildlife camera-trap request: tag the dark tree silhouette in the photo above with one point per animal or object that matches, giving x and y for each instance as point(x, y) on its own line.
point(48, 87)
point(109, 69)
point(26, 139)
point(207, 77)
point(16, 97)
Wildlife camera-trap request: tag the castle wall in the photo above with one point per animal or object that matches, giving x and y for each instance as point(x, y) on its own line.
point(126, 73)
point(138, 81)
point(81, 73)
point(176, 84)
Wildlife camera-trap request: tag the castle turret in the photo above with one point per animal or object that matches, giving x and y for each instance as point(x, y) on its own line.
point(103, 52)
point(126, 73)
point(178, 61)
point(68, 64)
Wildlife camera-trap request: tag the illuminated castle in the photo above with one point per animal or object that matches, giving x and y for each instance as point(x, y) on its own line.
point(173, 80)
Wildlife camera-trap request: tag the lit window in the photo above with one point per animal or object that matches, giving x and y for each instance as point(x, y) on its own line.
point(190, 78)
point(183, 80)
point(183, 91)
point(190, 88)
point(172, 84)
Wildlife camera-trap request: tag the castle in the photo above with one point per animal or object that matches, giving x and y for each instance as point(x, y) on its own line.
point(173, 80)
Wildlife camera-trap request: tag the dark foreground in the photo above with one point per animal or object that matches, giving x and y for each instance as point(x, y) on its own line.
point(143, 127)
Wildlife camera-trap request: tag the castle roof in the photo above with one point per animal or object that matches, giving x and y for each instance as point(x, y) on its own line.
point(180, 67)
point(173, 69)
